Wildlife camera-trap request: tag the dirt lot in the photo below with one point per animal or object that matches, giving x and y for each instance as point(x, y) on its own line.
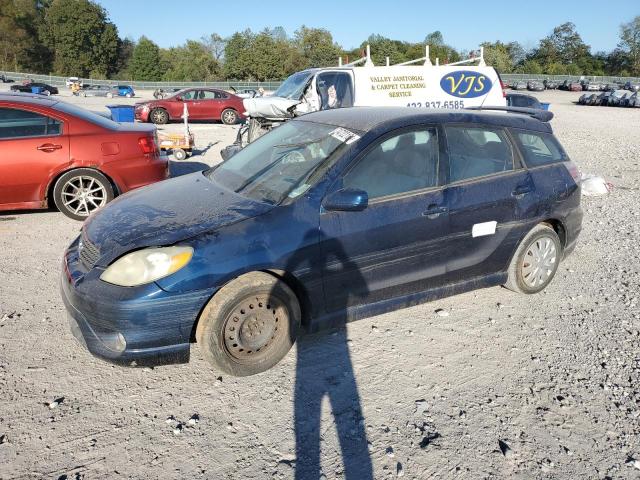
point(499, 385)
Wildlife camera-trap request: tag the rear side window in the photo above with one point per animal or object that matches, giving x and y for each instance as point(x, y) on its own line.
point(476, 152)
point(16, 123)
point(540, 149)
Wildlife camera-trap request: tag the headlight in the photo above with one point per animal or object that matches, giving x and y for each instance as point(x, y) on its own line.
point(146, 266)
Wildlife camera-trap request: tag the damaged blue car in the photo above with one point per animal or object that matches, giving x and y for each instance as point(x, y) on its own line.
point(331, 217)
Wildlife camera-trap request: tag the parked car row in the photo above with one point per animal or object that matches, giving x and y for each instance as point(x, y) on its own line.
point(572, 85)
point(616, 98)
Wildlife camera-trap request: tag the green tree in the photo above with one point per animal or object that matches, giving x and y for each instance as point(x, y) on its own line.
point(215, 44)
point(630, 44)
point(189, 63)
point(237, 55)
point(317, 47)
point(81, 37)
point(440, 50)
point(383, 47)
point(146, 63)
point(564, 46)
point(19, 45)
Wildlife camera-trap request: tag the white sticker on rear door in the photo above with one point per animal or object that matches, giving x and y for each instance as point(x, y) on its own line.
point(485, 228)
point(344, 135)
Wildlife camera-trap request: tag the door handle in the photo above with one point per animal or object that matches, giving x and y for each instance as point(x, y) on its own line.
point(521, 190)
point(49, 147)
point(434, 211)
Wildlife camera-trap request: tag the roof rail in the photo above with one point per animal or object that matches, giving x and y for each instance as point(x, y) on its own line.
point(542, 115)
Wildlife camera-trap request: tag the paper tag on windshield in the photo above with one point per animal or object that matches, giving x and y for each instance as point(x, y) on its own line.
point(344, 135)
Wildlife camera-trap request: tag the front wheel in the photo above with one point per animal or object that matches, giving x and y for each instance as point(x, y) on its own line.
point(536, 261)
point(229, 116)
point(159, 116)
point(249, 325)
point(81, 192)
point(128, 95)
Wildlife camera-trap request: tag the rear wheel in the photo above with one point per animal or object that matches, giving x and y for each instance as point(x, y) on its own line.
point(128, 95)
point(229, 116)
point(536, 261)
point(81, 192)
point(249, 325)
point(159, 116)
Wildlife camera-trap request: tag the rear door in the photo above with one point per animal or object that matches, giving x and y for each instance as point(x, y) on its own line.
point(397, 245)
point(490, 198)
point(33, 146)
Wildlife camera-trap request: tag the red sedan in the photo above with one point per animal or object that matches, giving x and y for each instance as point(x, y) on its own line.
point(57, 154)
point(202, 104)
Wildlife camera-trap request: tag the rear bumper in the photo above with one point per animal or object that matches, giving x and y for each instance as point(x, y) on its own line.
point(136, 173)
point(155, 325)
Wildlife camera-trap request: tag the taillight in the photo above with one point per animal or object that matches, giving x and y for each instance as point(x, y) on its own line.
point(147, 145)
point(504, 89)
point(573, 171)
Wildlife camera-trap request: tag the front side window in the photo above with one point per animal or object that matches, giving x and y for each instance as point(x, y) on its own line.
point(400, 164)
point(284, 163)
point(335, 90)
point(540, 149)
point(16, 123)
point(190, 95)
point(476, 152)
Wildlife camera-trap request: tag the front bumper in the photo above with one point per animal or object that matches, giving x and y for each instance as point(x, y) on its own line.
point(141, 114)
point(156, 325)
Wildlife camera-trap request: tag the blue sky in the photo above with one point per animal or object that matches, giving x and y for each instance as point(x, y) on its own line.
point(464, 23)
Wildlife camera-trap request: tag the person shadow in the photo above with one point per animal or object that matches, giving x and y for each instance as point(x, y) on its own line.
point(324, 369)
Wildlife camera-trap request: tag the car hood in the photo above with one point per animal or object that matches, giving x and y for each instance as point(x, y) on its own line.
point(269, 107)
point(165, 213)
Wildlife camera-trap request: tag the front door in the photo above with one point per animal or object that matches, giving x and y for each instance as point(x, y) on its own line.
point(33, 146)
point(489, 197)
point(397, 244)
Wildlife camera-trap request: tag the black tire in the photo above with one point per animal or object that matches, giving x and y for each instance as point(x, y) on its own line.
point(528, 276)
point(99, 186)
point(159, 116)
point(254, 304)
point(128, 95)
point(179, 154)
point(229, 116)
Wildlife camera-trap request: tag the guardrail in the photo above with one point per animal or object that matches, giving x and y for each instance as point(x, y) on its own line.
point(138, 85)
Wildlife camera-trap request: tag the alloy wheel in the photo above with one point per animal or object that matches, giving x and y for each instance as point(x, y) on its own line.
point(83, 195)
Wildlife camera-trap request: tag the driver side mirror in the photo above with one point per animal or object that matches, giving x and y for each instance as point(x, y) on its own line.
point(346, 200)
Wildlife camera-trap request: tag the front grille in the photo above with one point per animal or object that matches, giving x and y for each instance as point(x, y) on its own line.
point(88, 252)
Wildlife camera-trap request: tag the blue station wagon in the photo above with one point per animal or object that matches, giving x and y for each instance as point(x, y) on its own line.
point(331, 217)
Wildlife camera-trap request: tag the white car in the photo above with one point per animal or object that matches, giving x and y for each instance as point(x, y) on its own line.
point(71, 80)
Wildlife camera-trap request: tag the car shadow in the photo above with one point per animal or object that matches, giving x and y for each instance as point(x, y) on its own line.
point(324, 369)
point(177, 169)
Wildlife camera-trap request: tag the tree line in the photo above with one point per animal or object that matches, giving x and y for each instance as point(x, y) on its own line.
point(76, 38)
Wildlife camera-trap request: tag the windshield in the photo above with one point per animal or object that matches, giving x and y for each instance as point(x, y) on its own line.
point(293, 87)
point(285, 163)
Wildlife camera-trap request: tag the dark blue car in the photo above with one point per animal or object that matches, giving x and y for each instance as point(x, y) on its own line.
point(331, 217)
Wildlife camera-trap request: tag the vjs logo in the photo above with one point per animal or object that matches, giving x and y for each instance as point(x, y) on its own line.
point(465, 84)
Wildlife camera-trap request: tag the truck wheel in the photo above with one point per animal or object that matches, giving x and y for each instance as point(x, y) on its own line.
point(80, 192)
point(249, 325)
point(179, 154)
point(229, 116)
point(536, 261)
point(159, 116)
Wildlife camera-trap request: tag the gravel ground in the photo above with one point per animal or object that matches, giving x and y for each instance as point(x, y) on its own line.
point(488, 384)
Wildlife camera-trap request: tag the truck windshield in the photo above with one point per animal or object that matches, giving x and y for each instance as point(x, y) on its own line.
point(285, 163)
point(293, 87)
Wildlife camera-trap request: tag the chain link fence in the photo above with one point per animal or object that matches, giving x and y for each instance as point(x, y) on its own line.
point(61, 81)
point(273, 85)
